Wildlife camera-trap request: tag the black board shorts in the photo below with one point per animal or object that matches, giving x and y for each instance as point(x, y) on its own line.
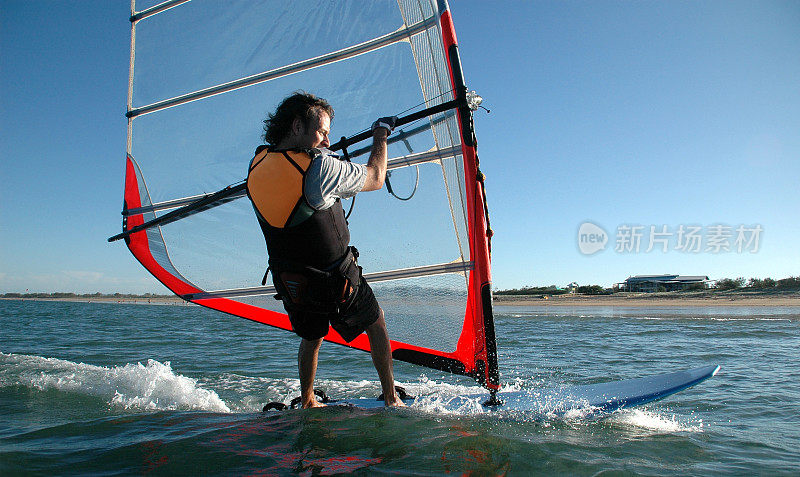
point(362, 311)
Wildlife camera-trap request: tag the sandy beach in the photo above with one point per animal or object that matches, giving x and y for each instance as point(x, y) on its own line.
point(669, 299)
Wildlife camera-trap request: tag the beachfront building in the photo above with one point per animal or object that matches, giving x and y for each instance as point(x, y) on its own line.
point(572, 287)
point(653, 283)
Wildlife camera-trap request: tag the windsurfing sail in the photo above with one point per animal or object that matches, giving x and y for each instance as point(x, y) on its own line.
point(203, 76)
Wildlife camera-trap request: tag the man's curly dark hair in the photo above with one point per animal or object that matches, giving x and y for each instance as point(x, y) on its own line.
point(300, 105)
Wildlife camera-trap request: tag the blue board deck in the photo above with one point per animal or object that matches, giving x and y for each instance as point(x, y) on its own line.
point(588, 400)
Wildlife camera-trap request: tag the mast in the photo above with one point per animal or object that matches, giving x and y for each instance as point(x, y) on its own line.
point(479, 230)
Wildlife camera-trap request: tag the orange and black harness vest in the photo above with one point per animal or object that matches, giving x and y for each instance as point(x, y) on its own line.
point(311, 262)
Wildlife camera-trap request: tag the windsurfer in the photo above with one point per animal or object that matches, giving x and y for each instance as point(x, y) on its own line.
point(296, 185)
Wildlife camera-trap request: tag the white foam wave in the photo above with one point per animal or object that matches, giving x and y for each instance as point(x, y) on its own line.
point(156, 386)
point(151, 386)
point(653, 421)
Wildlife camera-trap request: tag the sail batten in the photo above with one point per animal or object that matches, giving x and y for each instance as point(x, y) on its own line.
point(374, 277)
point(174, 203)
point(155, 9)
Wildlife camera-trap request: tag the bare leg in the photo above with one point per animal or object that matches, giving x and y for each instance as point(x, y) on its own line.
point(307, 366)
point(382, 359)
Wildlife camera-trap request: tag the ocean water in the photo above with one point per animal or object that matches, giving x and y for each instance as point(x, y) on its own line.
point(89, 388)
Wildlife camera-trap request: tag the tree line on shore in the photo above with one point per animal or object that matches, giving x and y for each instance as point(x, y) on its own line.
point(790, 283)
point(554, 290)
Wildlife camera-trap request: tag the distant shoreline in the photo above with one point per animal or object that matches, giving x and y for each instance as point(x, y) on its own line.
point(159, 300)
point(668, 299)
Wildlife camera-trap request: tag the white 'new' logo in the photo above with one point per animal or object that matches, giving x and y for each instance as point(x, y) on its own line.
point(591, 238)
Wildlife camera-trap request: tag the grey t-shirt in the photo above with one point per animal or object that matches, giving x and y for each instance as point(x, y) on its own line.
point(329, 178)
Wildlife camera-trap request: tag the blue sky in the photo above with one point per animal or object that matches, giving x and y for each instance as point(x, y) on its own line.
point(614, 113)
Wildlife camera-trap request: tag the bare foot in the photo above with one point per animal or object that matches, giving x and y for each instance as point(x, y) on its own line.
point(313, 403)
point(396, 403)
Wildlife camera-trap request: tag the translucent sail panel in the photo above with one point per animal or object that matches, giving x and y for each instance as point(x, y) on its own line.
point(203, 43)
point(204, 145)
point(223, 247)
point(153, 239)
point(424, 311)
